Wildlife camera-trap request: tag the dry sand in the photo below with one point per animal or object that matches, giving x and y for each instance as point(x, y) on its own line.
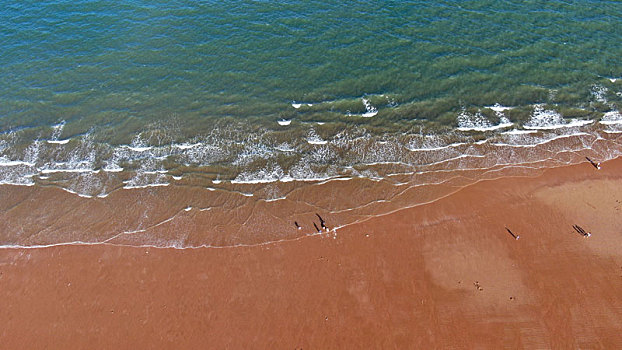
point(441, 275)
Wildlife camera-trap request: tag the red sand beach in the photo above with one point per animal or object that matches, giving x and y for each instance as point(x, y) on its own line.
point(440, 275)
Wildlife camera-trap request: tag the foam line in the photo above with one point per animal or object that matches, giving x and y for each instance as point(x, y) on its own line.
point(241, 245)
point(15, 163)
point(58, 142)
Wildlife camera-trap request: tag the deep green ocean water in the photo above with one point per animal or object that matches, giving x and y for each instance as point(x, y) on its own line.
point(152, 88)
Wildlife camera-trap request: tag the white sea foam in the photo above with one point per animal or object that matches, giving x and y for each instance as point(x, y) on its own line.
point(243, 180)
point(600, 93)
point(317, 142)
point(502, 125)
point(31, 155)
point(315, 139)
point(137, 148)
point(546, 119)
point(579, 122)
point(374, 156)
point(286, 178)
point(129, 187)
point(388, 163)
point(370, 110)
point(424, 149)
point(462, 156)
point(186, 145)
point(535, 144)
point(369, 114)
point(76, 193)
point(434, 148)
point(17, 180)
point(478, 122)
point(252, 152)
point(274, 199)
point(112, 169)
point(330, 179)
point(299, 172)
point(519, 132)
point(284, 147)
point(146, 177)
point(57, 130)
point(266, 175)
point(611, 117)
point(572, 123)
point(6, 162)
point(302, 171)
point(59, 142)
point(68, 170)
point(319, 179)
point(499, 108)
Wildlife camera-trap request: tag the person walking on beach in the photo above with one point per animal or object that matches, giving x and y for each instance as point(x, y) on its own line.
point(595, 165)
point(322, 222)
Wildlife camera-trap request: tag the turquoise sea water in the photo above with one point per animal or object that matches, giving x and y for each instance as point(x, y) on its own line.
point(258, 90)
point(100, 62)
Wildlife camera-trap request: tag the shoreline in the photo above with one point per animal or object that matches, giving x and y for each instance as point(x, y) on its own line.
point(230, 215)
point(445, 274)
point(332, 231)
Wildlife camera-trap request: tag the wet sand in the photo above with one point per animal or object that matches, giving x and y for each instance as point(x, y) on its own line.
point(441, 275)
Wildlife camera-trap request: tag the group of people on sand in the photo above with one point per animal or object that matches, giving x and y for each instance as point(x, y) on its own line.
point(322, 224)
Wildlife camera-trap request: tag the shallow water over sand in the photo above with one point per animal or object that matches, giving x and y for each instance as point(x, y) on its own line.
point(192, 209)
